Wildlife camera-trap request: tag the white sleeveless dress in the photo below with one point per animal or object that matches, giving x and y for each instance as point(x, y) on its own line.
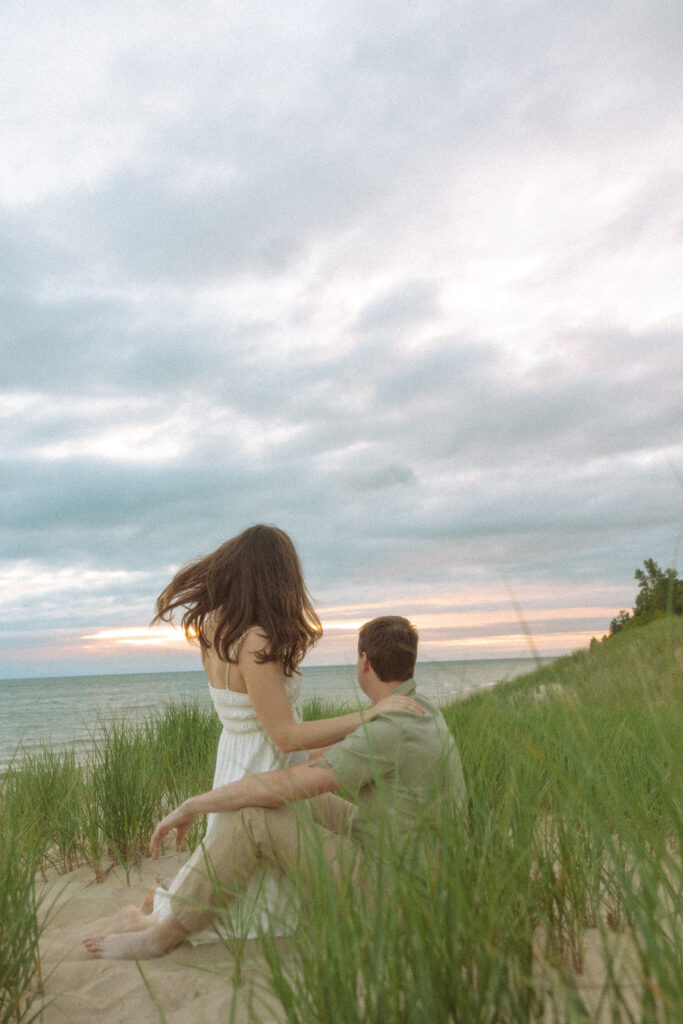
point(245, 749)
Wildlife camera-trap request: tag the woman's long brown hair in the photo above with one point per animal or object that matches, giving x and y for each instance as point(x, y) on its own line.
point(254, 579)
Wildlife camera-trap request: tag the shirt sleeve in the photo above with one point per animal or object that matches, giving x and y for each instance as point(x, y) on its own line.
point(366, 755)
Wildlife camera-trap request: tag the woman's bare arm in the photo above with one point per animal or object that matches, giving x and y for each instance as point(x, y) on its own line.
point(271, 704)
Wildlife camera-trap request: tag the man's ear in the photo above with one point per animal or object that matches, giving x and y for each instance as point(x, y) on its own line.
point(364, 662)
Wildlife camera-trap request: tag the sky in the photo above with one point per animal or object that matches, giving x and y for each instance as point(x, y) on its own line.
point(402, 279)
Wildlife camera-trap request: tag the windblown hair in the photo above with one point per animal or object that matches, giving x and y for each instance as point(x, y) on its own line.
point(390, 642)
point(255, 579)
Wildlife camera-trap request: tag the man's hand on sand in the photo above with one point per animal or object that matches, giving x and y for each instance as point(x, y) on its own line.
point(179, 819)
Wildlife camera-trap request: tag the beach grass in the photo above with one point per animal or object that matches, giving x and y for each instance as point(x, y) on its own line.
point(19, 928)
point(557, 897)
point(317, 707)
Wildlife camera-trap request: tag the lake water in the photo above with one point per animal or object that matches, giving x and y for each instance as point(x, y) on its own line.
point(65, 710)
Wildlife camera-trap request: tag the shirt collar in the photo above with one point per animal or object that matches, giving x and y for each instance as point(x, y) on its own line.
point(408, 687)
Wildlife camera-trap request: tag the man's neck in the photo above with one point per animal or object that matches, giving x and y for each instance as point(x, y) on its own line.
point(380, 689)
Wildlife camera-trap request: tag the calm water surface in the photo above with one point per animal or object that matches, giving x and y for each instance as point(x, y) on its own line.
point(63, 710)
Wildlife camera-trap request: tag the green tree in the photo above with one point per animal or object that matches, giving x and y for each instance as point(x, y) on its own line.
point(619, 621)
point(659, 590)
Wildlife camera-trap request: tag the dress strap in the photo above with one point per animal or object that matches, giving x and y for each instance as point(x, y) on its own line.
point(235, 649)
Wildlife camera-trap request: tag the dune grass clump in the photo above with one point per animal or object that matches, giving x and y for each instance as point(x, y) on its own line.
point(44, 794)
point(126, 783)
point(317, 707)
point(60, 810)
point(19, 929)
point(185, 738)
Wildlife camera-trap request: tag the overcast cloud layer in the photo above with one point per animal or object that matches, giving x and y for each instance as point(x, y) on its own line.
point(403, 279)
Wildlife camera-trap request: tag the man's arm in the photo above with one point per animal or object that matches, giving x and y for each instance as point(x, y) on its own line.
point(269, 789)
point(317, 753)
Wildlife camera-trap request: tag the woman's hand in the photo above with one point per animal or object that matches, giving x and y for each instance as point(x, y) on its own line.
point(179, 819)
point(394, 702)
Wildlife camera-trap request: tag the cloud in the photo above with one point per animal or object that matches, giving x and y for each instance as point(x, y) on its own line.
point(401, 279)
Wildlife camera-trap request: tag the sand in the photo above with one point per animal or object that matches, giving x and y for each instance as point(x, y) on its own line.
point(192, 985)
point(591, 982)
point(195, 985)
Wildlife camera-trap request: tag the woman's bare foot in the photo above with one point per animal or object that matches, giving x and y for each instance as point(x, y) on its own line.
point(124, 946)
point(151, 942)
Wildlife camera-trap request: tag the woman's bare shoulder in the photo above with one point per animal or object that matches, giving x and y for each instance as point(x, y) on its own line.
point(255, 639)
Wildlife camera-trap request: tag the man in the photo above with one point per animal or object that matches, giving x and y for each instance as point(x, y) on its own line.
point(396, 766)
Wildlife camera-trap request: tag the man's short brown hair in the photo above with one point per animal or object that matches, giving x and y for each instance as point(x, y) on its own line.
point(390, 643)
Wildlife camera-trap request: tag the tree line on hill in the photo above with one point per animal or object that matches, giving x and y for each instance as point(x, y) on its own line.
point(660, 592)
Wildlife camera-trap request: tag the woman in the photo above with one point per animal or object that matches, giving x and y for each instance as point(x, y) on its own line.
point(247, 605)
